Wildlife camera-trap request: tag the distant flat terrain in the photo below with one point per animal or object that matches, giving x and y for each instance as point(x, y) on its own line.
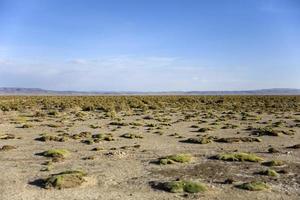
point(37, 91)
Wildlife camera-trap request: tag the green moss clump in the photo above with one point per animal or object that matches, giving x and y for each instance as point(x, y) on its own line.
point(237, 139)
point(266, 131)
point(269, 172)
point(101, 137)
point(273, 163)
point(238, 157)
point(184, 186)
point(131, 136)
point(82, 135)
point(253, 186)
point(56, 153)
point(93, 126)
point(177, 158)
point(46, 138)
point(47, 168)
point(66, 179)
point(199, 140)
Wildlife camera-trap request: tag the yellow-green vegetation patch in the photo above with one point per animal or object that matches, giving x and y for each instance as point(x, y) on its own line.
point(177, 158)
point(66, 179)
point(184, 186)
point(46, 138)
point(198, 140)
point(253, 186)
point(237, 139)
point(94, 126)
point(100, 137)
point(238, 157)
point(84, 134)
point(269, 172)
point(261, 131)
point(47, 168)
point(131, 136)
point(61, 153)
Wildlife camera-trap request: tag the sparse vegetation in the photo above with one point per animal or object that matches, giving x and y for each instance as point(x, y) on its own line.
point(269, 172)
point(198, 140)
point(266, 131)
point(60, 153)
point(106, 137)
point(233, 128)
point(66, 179)
point(184, 186)
point(177, 158)
point(237, 139)
point(131, 136)
point(253, 186)
point(111, 103)
point(238, 157)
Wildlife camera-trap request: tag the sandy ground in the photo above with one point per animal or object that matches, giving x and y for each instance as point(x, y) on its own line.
point(127, 173)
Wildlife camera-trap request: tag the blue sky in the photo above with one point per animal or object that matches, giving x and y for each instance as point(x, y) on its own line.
point(150, 45)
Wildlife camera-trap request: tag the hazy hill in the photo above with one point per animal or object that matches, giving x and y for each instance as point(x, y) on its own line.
point(38, 91)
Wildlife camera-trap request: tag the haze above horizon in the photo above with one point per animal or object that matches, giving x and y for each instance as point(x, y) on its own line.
point(150, 45)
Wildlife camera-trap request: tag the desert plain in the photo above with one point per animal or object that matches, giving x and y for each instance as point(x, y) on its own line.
point(149, 147)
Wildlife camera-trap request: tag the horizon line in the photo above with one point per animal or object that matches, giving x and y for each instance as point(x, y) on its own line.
point(132, 91)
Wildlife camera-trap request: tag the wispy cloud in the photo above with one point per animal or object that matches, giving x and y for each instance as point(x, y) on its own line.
point(126, 60)
point(127, 73)
point(5, 61)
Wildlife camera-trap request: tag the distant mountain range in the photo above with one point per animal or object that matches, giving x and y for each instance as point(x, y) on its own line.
point(38, 91)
